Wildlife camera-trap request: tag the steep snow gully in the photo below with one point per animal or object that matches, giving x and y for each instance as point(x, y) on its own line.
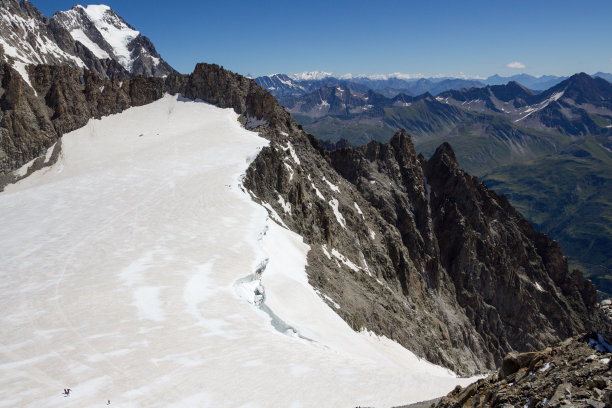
point(123, 271)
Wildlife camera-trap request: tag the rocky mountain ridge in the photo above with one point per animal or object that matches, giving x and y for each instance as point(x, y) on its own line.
point(575, 372)
point(549, 152)
point(283, 86)
point(579, 106)
point(294, 86)
point(395, 249)
point(413, 249)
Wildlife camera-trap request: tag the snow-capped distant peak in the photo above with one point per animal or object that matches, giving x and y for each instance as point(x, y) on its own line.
point(96, 11)
point(112, 29)
point(396, 75)
point(98, 33)
point(103, 32)
point(318, 75)
point(115, 31)
point(310, 75)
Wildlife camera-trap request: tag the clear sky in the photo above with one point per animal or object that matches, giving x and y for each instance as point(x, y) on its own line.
point(476, 38)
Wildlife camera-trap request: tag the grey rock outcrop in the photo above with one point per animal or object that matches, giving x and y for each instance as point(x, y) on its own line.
point(570, 374)
point(62, 100)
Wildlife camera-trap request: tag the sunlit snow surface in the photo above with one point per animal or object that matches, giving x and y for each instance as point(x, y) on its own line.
point(118, 276)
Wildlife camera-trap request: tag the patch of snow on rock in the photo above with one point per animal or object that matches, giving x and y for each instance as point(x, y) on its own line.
point(334, 205)
point(331, 185)
point(359, 210)
point(317, 192)
point(540, 106)
point(330, 300)
point(78, 35)
point(325, 251)
point(344, 260)
point(286, 206)
point(49, 153)
point(290, 170)
point(291, 151)
point(21, 68)
point(273, 214)
point(23, 170)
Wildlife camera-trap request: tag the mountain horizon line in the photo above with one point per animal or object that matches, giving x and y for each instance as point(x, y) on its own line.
point(318, 75)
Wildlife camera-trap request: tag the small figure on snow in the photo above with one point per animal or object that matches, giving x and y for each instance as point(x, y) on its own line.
point(66, 392)
point(108, 403)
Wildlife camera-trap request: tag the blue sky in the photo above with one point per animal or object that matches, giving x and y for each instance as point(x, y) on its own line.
point(476, 38)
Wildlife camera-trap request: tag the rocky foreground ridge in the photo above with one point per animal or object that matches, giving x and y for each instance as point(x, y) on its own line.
point(413, 249)
point(574, 373)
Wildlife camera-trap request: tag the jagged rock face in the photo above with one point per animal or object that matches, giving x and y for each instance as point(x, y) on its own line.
point(472, 249)
point(506, 284)
point(435, 254)
point(25, 126)
point(226, 89)
point(93, 38)
point(27, 36)
point(62, 99)
point(417, 251)
point(571, 373)
point(146, 59)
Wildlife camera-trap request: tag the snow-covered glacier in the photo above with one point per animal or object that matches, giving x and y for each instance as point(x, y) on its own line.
point(137, 270)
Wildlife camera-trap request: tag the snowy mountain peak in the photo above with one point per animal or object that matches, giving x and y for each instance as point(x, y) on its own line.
point(27, 39)
point(310, 75)
point(98, 11)
point(105, 34)
point(93, 37)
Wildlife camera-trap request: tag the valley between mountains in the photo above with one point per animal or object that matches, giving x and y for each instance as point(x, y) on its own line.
point(180, 240)
point(548, 151)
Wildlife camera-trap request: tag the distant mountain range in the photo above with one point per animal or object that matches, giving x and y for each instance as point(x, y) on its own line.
point(578, 106)
point(498, 130)
point(296, 85)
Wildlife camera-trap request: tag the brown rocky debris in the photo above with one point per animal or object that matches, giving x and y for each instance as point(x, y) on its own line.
point(570, 374)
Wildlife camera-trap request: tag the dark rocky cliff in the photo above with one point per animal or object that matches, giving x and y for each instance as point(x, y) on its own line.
point(504, 285)
point(62, 100)
point(415, 250)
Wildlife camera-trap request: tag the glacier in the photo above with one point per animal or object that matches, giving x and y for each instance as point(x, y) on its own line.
point(122, 271)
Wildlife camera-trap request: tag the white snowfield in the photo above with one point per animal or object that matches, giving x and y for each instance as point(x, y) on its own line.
point(125, 273)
